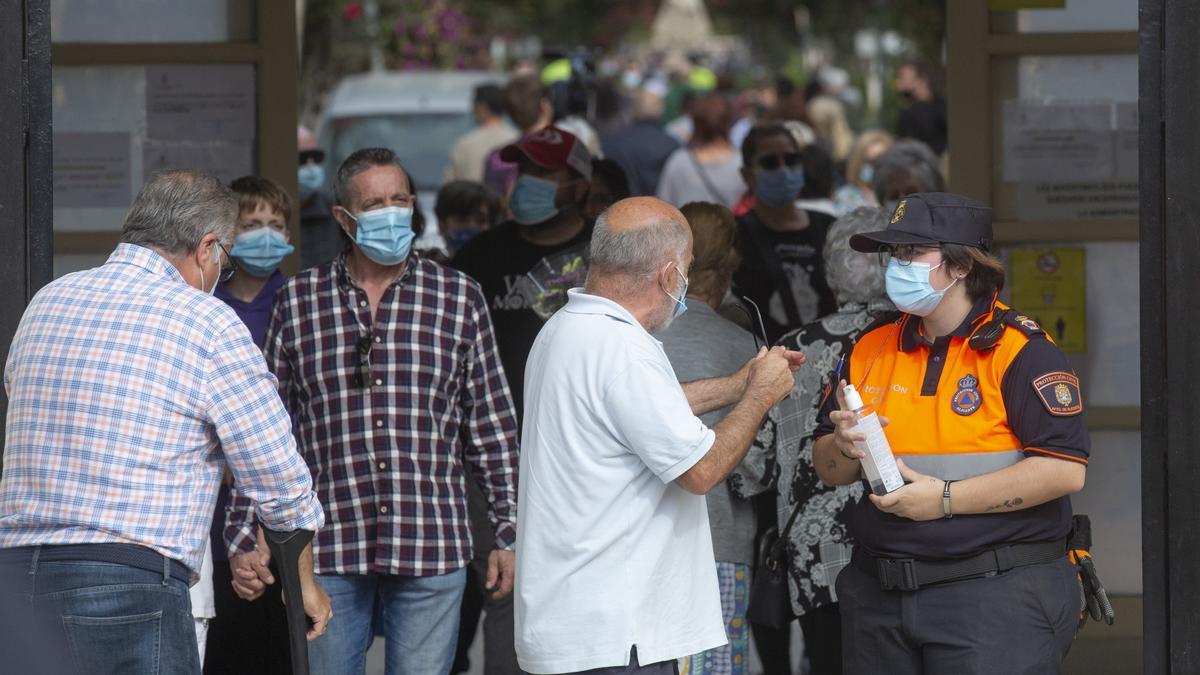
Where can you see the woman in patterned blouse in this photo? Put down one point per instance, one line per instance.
(818, 545)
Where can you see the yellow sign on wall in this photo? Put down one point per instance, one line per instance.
(1001, 5)
(1048, 285)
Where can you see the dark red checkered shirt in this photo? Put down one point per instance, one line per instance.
(389, 460)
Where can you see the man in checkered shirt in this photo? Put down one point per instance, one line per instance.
(388, 364)
(131, 390)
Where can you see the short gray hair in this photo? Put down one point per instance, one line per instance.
(637, 252)
(176, 209)
(358, 162)
(911, 157)
(853, 276)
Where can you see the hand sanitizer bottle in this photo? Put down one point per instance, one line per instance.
(879, 465)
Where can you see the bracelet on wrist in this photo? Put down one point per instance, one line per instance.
(946, 513)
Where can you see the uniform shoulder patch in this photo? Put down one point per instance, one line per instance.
(1059, 392)
(1023, 323)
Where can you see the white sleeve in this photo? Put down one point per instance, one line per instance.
(651, 416)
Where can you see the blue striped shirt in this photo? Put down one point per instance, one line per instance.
(129, 393)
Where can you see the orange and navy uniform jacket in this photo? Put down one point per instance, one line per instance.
(956, 412)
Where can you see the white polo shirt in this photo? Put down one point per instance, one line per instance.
(611, 553)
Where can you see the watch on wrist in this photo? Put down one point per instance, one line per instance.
(946, 501)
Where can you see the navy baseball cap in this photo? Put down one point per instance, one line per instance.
(931, 218)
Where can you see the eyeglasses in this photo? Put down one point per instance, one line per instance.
(363, 347)
(306, 156)
(228, 269)
(756, 322)
(904, 253)
(772, 162)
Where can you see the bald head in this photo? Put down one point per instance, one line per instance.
(636, 241)
(305, 139)
(635, 212)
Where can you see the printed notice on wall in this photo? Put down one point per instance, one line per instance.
(226, 161)
(1049, 286)
(92, 169)
(1077, 201)
(200, 102)
(1127, 141)
(1056, 142)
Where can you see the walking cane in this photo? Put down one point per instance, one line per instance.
(286, 548)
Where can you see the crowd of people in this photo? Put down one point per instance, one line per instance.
(617, 464)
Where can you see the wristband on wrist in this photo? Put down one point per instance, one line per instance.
(946, 501)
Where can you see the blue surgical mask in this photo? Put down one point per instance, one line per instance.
(260, 250)
(385, 235)
(311, 178)
(867, 174)
(778, 187)
(909, 289)
(532, 200)
(681, 301)
(459, 238)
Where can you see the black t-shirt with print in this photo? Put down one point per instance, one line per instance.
(498, 258)
(801, 255)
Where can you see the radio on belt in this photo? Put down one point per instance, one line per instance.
(879, 465)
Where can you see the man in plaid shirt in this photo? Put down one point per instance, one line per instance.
(131, 390)
(388, 364)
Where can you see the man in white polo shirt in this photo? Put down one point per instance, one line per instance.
(615, 568)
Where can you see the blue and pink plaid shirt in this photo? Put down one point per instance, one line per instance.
(129, 393)
(390, 454)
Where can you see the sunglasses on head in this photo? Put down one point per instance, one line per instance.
(317, 156)
(772, 162)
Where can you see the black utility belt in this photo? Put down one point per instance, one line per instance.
(907, 574)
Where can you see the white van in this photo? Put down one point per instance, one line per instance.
(417, 114)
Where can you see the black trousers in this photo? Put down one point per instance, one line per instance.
(247, 637)
(1021, 621)
(822, 628)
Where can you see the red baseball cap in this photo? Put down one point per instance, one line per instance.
(552, 148)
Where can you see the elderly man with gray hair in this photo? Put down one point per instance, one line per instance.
(131, 390)
(615, 571)
(818, 545)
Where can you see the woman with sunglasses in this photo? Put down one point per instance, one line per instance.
(987, 426)
(782, 270)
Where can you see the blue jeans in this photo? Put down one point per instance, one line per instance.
(93, 617)
(420, 622)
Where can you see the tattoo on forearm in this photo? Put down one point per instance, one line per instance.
(1007, 504)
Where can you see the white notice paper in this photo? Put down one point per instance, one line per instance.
(1067, 142)
(91, 169)
(200, 102)
(1127, 141)
(1102, 200)
(226, 161)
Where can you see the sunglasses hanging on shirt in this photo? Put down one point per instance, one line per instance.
(363, 347)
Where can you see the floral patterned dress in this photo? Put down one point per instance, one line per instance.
(819, 545)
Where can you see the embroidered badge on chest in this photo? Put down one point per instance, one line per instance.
(967, 399)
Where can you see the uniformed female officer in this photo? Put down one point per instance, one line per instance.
(963, 569)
